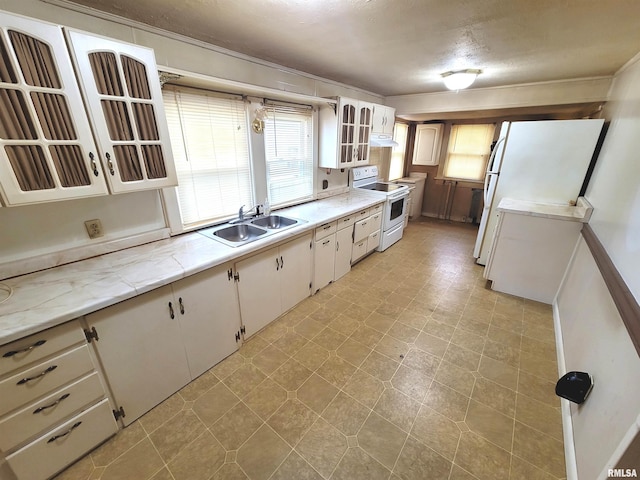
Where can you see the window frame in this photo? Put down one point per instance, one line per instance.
(442, 173)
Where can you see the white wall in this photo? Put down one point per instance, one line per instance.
(594, 338)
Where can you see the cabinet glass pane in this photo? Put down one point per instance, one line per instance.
(106, 74)
(69, 165)
(54, 116)
(7, 73)
(15, 121)
(30, 167)
(145, 121)
(135, 74)
(128, 162)
(154, 161)
(36, 61)
(117, 118)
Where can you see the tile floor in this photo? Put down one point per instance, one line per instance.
(407, 368)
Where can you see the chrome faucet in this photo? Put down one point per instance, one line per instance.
(241, 214)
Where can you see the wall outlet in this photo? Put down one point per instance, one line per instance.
(94, 228)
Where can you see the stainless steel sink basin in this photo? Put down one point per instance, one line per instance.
(239, 233)
(274, 222)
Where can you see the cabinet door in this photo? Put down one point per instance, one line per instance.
(141, 351)
(365, 121)
(427, 145)
(259, 290)
(344, 240)
(383, 119)
(295, 271)
(324, 259)
(347, 149)
(209, 317)
(362, 229)
(47, 151)
(122, 90)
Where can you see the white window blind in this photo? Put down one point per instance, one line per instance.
(211, 150)
(288, 139)
(469, 147)
(396, 168)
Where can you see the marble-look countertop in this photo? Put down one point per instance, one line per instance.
(581, 212)
(50, 297)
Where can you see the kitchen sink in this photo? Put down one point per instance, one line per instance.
(239, 233)
(274, 222)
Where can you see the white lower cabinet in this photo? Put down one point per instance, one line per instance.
(324, 260)
(152, 345)
(344, 241)
(272, 282)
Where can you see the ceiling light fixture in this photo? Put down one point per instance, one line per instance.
(460, 79)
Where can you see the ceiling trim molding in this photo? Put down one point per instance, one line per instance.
(92, 12)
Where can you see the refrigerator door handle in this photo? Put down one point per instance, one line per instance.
(492, 158)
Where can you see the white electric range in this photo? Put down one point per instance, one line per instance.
(395, 202)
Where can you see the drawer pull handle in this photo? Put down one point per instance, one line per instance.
(277, 264)
(42, 374)
(181, 305)
(73, 427)
(281, 262)
(51, 405)
(327, 227)
(171, 314)
(26, 349)
(325, 242)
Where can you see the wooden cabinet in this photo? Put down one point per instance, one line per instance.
(383, 119)
(54, 407)
(47, 151)
(272, 282)
(426, 150)
(345, 129)
(122, 90)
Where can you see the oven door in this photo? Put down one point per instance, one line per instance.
(395, 208)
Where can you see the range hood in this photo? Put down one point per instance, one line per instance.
(382, 140)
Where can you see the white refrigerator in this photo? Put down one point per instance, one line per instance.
(540, 161)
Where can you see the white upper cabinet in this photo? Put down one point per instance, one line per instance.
(47, 151)
(122, 90)
(345, 130)
(426, 150)
(383, 119)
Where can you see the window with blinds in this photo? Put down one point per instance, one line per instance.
(288, 141)
(396, 168)
(468, 152)
(210, 145)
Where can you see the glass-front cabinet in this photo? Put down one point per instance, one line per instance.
(47, 151)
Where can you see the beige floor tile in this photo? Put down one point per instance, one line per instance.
(458, 473)
(490, 424)
(249, 349)
(163, 412)
(482, 458)
(357, 312)
(468, 340)
(437, 432)
(261, 455)
(290, 343)
(537, 347)
(229, 471)
(295, 467)
(316, 393)
(539, 332)
(364, 387)
(291, 375)
(539, 449)
(273, 331)
(292, 421)
(380, 366)
(539, 366)
(336, 371)
(329, 339)
(411, 382)
(353, 352)
(201, 459)
(503, 336)
(357, 465)
(522, 470)
(142, 461)
(502, 353)
(430, 344)
(511, 323)
(498, 372)
(176, 434)
(236, 426)
(323, 447)
(367, 336)
(163, 474)
(413, 319)
(83, 469)
(392, 348)
(403, 332)
(122, 442)
(214, 404)
(418, 462)
(462, 357)
(495, 396)
(346, 414)
(292, 318)
(460, 379)
(421, 361)
(540, 416)
(446, 316)
(245, 379)
(447, 401)
(309, 328)
(269, 359)
(389, 309)
(439, 330)
(324, 315)
(312, 355)
(381, 439)
(379, 322)
(473, 324)
(345, 324)
(236, 360)
(266, 398)
(538, 389)
(398, 408)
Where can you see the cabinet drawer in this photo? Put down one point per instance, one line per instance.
(361, 214)
(375, 209)
(373, 241)
(362, 230)
(30, 349)
(325, 230)
(44, 413)
(346, 222)
(48, 455)
(376, 221)
(359, 250)
(44, 378)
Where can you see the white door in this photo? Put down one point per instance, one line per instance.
(141, 350)
(259, 290)
(209, 317)
(295, 271)
(344, 243)
(324, 259)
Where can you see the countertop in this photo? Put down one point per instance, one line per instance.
(581, 212)
(50, 297)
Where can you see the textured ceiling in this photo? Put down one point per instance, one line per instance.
(394, 47)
